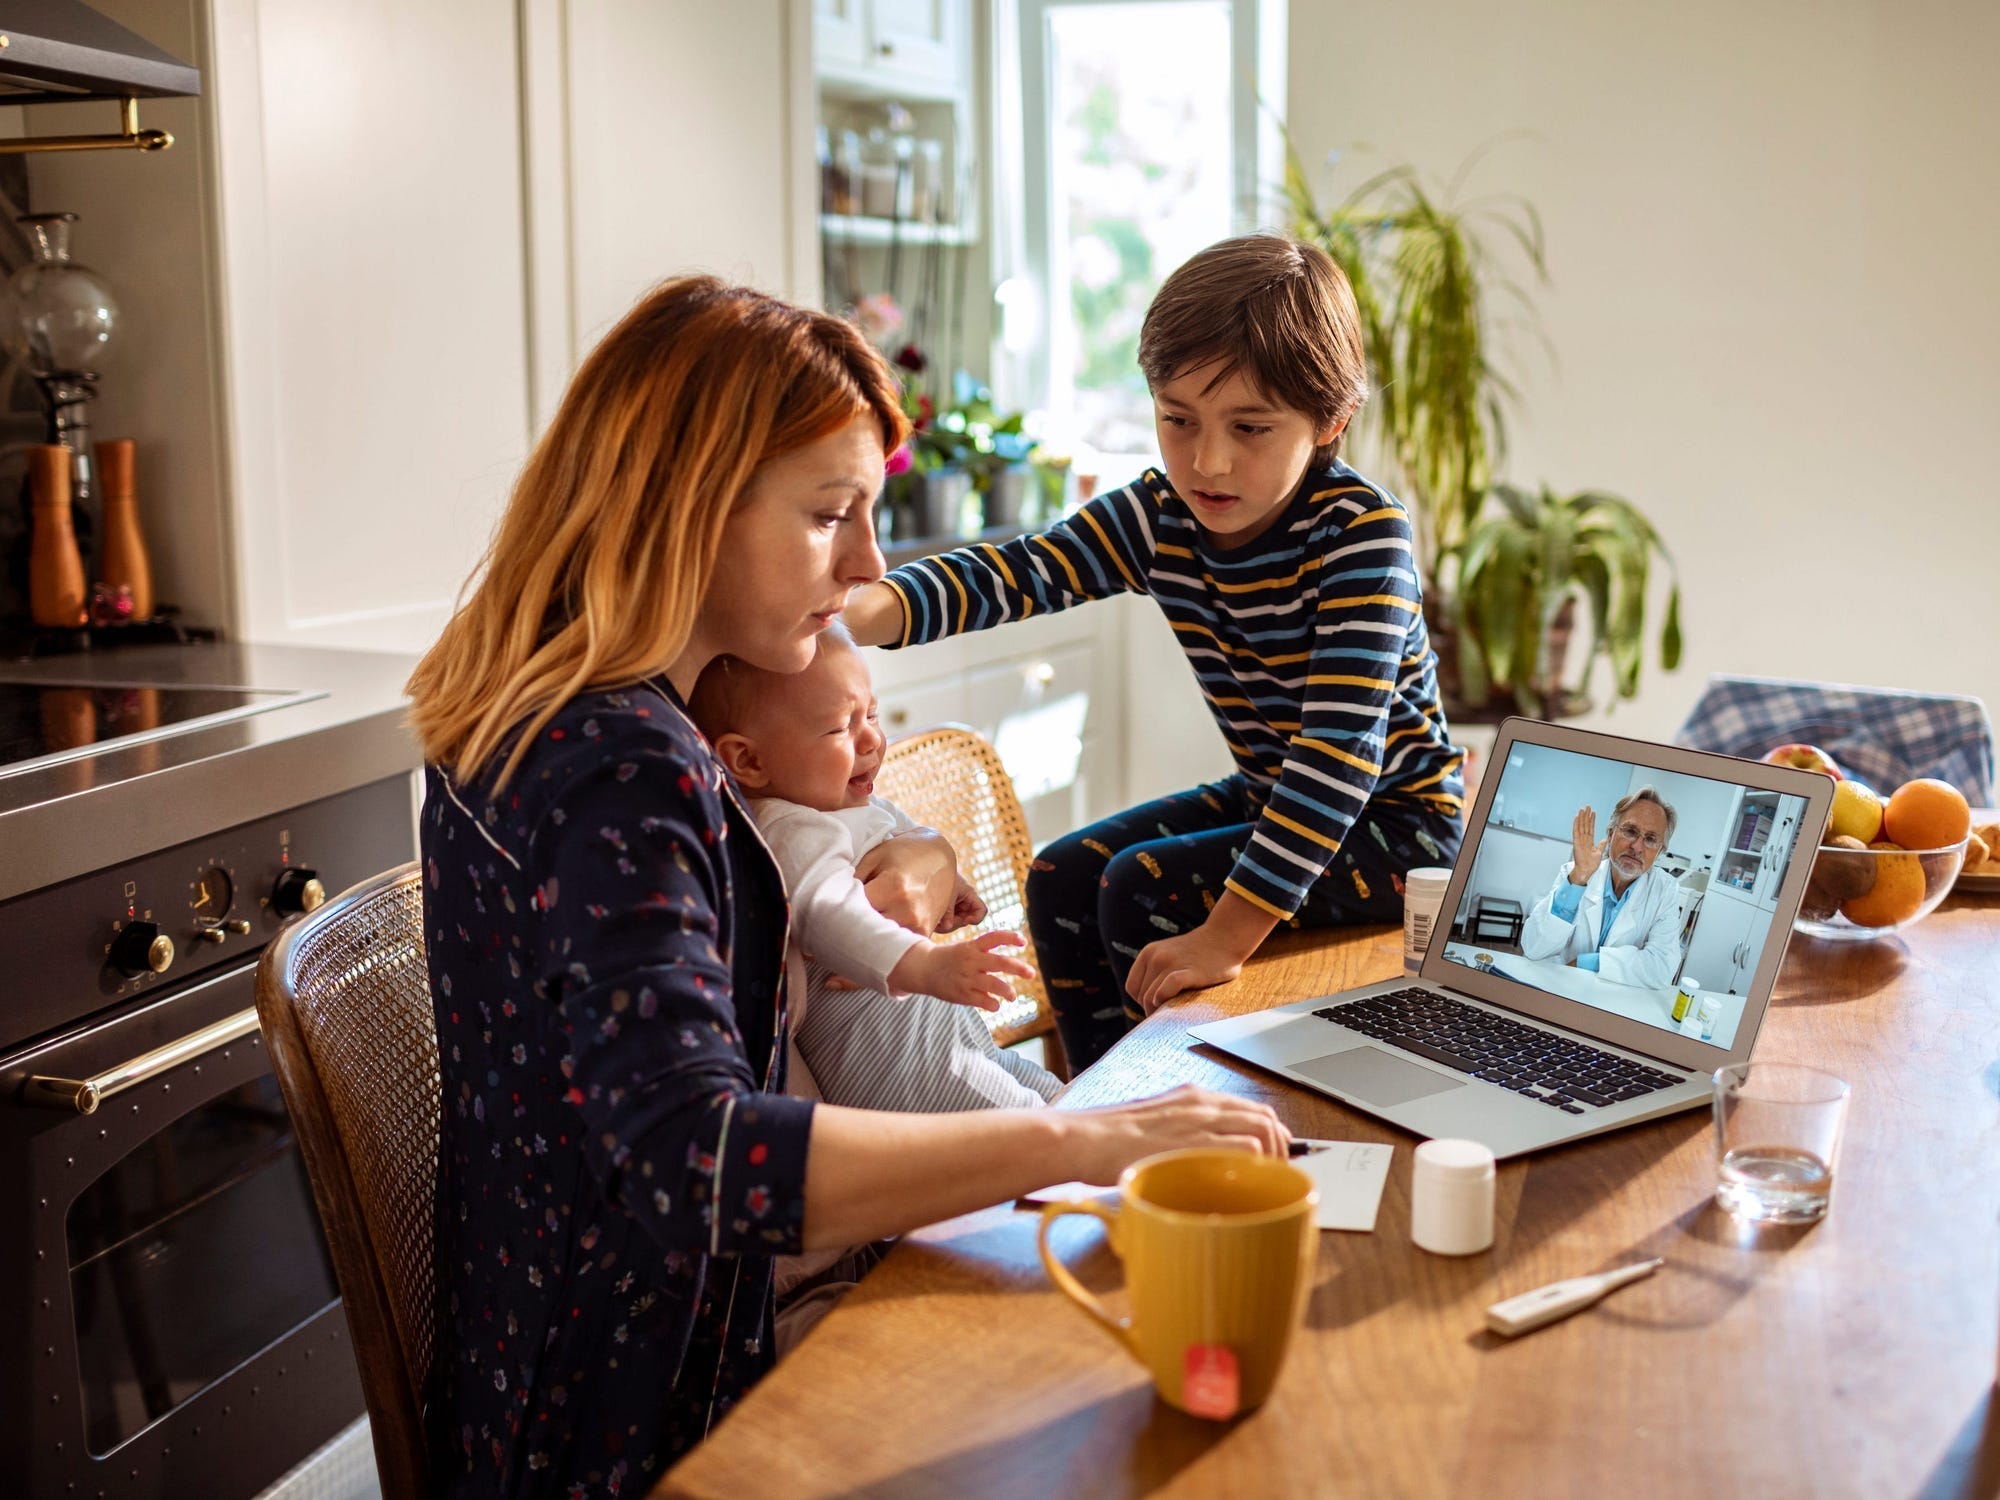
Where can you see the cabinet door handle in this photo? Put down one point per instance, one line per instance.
(1042, 673)
(896, 718)
(886, 49)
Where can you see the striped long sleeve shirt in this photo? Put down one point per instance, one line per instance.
(1308, 642)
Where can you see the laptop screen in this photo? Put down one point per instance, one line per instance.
(1640, 892)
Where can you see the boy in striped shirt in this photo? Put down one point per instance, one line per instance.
(1290, 584)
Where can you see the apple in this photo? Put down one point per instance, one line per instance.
(1805, 758)
(1857, 812)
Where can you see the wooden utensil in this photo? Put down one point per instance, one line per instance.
(124, 561)
(55, 567)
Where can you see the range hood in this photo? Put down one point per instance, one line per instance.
(56, 50)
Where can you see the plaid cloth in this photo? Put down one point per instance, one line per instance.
(1882, 736)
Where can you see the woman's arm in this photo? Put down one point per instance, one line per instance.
(870, 1174)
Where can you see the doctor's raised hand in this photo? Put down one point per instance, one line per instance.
(1587, 846)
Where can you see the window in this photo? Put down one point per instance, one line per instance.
(1143, 140)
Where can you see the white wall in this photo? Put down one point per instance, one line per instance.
(1770, 237)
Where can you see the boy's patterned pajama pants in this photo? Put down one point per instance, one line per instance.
(1100, 894)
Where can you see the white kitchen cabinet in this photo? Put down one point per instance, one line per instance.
(910, 49)
(1758, 838)
(840, 33)
(1727, 939)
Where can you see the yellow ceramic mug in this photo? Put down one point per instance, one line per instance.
(1219, 1249)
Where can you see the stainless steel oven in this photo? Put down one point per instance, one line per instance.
(169, 1324)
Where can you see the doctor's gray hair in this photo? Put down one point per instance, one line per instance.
(1647, 794)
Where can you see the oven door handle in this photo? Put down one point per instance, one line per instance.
(83, 1095)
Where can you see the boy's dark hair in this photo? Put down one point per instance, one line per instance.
(1275, 308)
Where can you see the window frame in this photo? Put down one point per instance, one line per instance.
(1027, 261)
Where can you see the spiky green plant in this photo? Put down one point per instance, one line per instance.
(1426, 278)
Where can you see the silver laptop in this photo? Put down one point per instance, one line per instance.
(1545, 1007)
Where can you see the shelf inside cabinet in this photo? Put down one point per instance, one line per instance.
(872, 231)
(898, 551)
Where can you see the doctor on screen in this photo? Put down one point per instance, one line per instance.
(1610, 911)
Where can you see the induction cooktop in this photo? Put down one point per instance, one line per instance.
(42, 723)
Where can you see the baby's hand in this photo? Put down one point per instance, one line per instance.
(972, 973)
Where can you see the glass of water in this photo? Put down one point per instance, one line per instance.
(1777, 1137)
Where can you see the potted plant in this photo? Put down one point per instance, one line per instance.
(1520, 572)
(973, 448)
(1427, 277)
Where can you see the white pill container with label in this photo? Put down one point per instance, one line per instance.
(1684, 997)
(1423, 901)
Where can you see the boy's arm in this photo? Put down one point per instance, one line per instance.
(1103, 549)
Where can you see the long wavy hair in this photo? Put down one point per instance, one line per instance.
(597, 571)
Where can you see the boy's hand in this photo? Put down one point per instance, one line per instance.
(972, 973)
(874, 615)
(1212, 954)
(1192, 961)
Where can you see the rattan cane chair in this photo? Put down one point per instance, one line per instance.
(345, 1002)
(952, 780)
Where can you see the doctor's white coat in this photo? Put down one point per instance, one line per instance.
(1644, 944)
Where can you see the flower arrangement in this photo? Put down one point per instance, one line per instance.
(967, 464)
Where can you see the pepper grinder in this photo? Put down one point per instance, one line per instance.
(123, 553)
(55, 567)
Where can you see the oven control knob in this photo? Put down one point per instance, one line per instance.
(297, 891)
(141, 948)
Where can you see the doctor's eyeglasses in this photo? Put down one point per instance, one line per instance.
(1632, 833)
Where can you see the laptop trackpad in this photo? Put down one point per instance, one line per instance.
(1374, 1075)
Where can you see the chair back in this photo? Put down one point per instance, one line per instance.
(1886, 736)
(345, 1001)
(952, 779)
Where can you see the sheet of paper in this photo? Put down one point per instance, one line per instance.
(1350, 1176)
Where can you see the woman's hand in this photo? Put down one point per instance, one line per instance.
(967, 910)
(1585, 846)
(1106, 1140)
(912, 879)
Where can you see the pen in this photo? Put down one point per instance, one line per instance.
(1304, 1148)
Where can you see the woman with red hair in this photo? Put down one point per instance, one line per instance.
(620, 1163)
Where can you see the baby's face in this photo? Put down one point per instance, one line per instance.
(818, 737)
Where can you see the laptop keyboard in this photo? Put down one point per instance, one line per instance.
(1545, 1066)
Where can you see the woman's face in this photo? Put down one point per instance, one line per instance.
(800, 539)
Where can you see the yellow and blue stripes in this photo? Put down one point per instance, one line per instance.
(1308, 642)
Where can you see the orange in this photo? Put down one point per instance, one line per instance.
(1897, 893)
(1926, 814)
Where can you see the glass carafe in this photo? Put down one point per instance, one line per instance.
(58, 323)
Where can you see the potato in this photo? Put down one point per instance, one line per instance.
(1839, 875)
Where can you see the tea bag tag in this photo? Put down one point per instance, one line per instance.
(1209, 1384)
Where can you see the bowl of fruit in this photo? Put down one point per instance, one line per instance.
(1886, 862)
